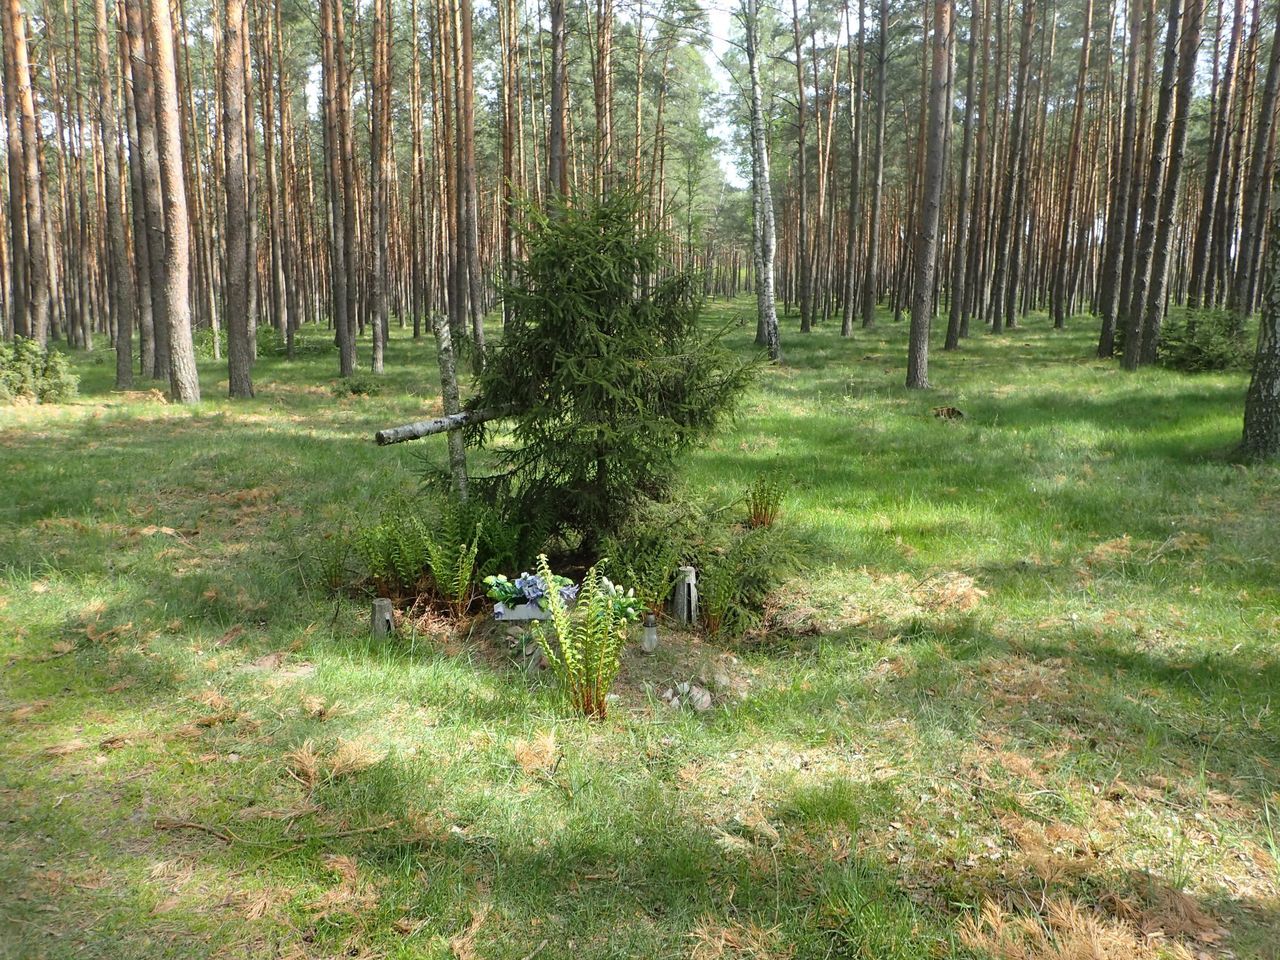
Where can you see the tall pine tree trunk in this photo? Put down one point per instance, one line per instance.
(184, 380)
(119, 280)
(870, 282)
(930, 199)
(239, 353)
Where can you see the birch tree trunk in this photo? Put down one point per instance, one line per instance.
(761, 193)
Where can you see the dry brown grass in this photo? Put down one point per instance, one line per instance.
(309, 766)
(538, 755)
(713, 940)
(1063, 930)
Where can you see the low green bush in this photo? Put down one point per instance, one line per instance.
(360, 385)
(438, 546)
(1202, 341)
(204, 339)
(31, 374)
(738, 565)
(737, 574)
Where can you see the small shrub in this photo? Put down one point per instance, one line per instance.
(584, 644)
(647, 560)
(1202, 341)
(270, 342)
(606, 368)
(437, 545)
(764, 500)
(395, 553)
(360, 385)
(33, 374)
(452, 561)
(736, 577)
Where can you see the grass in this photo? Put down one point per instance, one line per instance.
(1020, 707)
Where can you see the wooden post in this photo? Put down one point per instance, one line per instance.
(382, 622)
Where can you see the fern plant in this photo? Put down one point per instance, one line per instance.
(735, 579)
(453, 566)
(648, 563)
(402, 551)
(764, 501)
(584, 645)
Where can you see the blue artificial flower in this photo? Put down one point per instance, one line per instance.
(569, 592)
(531, 586)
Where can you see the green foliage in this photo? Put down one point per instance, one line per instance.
(204, 339)
(605, 369)
(31, 374)
(584, 645)
(736, 576)
(1202, 341)
(360, 385)
(270, 342)
(764, 500)
(442, 547)
(647, 559)
(394, 552)
(452, 561)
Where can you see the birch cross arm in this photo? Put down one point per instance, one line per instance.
(425, 428)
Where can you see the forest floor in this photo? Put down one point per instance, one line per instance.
(1020, 706)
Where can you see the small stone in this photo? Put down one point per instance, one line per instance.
(722, 682)
(699, 698)
(682, 688)
(514, 632)
(675, 703)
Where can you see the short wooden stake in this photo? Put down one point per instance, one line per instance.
(383, 620)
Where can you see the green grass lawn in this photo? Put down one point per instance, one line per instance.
(1020, 706)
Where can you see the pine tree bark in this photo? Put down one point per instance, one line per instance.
(20, 319)
(557, 173)
(119, 280)
(1060, 272)
(184, 380)
(1157, 295)
(1121, 189)
(1239, 302)
(336, 189)
(1145, 252)
(857, 62)
(804, 268)
(1215, 162)
(236, 281)
(152, 189)
(955, 309)
(37, 316)
(930, 199)
(870, 282)
(378, 146)
(1262, 402)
